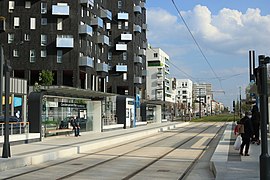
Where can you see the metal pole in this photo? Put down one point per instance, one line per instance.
(1, 78)
(6, 145)
(200, 108)
(240, 111)
(264, 157)
(164, 99)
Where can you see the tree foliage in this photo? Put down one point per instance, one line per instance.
(46, 77)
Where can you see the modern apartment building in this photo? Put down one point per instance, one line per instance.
(184, 96)
(126, 55)
(203, 95)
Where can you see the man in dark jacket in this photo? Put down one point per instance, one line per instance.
(247, 135)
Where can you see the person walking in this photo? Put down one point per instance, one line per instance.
(255, 119)
(72, 122)
(77, 126)
(247, 134)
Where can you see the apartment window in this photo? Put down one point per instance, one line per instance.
(119, 4)
(15, 53)
(10, 38)
(11, 6)
(109, 55)
(184, 92)
(32, 55)
(126, 25)
(124, 76)
(124, 56)
(119, 25)
(155, 55)
(82, 11)
(59, 24)
(43, 8)
(27, 4)
(32, 23)
(43, 53)
(44, 21)
(43, 39)
(27, 37)
(16, 22)
(59, 56)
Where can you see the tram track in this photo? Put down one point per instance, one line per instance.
(185, 129)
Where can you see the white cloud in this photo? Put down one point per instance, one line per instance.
(230, 31)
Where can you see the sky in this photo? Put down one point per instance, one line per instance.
(225, 31)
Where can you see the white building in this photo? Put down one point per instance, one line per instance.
(184, 96)
(203, 95)
(158, 85)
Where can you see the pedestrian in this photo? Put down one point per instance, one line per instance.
(247, 134)
(77, 126)
(255, 119)
(72, 122)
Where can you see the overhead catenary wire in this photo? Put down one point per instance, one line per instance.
(197, 44)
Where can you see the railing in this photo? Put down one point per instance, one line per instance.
(15, 128)
(109, 120)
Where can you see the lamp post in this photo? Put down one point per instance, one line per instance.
(240, 111)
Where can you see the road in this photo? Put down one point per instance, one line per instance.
(181, 153)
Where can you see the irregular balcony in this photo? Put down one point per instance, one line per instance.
(103, 39)
(159, 74)
(87, 2)
(64, 41)
(137, 28)
(121, 68)
(142, 52)
(142, 4)
(86, 61)
(126, 37)
(138, 59)
(122, 16)
(137, 9)
(137, 80)
(105, 14)
(97, 21)
(85, 29)
(144, 45)
(144, 27)
(102, 67)
(144, 72)
(60, 9)
(121, 47)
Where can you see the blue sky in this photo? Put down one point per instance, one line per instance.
(225, 30)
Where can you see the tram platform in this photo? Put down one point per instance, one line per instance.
(226, 162)
(52, 148)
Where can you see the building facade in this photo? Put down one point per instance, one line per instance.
(203, 96)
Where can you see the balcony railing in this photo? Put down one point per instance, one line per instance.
(126, 37)
(144, 72)
(64, 41)
(137, 9)
(142, 4)
(138, 59)
(137, 28)
(122, 16)
(106, 14)
(86, 61)
(2, 24)
(121, 47)
(137, 80)
(142, 52)
(87, 2)
(121, 68)
(102, 67)
(85, 29)
(103, 39)
(144, 26)
(62, 10)
(97, 21)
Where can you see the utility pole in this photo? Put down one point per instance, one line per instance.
(200, 107)
(261, 81)
(240, 111)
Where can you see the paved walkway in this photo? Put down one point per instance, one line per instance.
(52, 148)
(227, 164)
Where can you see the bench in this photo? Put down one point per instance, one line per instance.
(56, 131)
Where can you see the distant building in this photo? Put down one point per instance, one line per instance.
(203, 96)
(184, 96)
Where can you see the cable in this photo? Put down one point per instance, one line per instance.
(197, 44)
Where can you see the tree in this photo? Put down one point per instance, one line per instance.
(46, 77)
